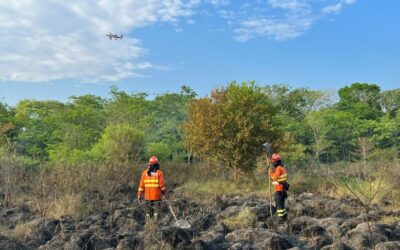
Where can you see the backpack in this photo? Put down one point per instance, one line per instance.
(286, 186)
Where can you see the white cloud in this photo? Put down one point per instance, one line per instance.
(294, 5)
(44, 40)
(273, 28)
(350, 1)
(332, 9)
(219, 2)
(337, 8)
(226, 14)
(294, 18)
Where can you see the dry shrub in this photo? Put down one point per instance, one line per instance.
(69, 204)
(243, 219)
(180, 173)
(114, 177)
(53, 190)
(152, 236)
(374, 178)
(300, 183)
(10, 174)
(78, 190)
(177, 173)
(204, 180)
(392, 181)
(364, 183)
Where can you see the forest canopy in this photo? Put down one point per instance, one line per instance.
(232, 121)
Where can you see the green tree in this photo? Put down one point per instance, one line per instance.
(317, 122)
(293, 105)
(168, 111)
(129, 109)
(6, 124)
(39, 125)
(83, 121)
(362, 100)
(229, 126)
(390, 102)
(120, 143)
(4, 113)
(160, 149)
(386, 132)
(344, 129)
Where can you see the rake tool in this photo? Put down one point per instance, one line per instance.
(184, 224)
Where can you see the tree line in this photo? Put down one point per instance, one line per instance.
(227, 126)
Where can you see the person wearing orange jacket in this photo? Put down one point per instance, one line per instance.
(153, 186)
(279, 176)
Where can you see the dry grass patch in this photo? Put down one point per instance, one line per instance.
(68, 204)
(6, 231)
(213, 187)
(221, 187)
(21, 232)
(244, 219)
(299, 183)
(389, 219)
(152, 236)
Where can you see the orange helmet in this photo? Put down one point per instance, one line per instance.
(153, 160)
(275, 157)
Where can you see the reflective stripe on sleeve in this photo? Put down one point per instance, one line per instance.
(282, 178)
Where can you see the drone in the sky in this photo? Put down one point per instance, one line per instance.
(115, 36)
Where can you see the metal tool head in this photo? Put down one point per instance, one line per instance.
(268, 148)
(183, 224)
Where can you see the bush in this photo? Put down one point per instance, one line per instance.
(119, 143)
(160, 149)
(60, 154)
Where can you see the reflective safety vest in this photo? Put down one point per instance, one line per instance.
(153, 186)
(278, 177)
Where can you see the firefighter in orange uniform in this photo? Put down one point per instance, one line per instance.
(152, 184)
(279, 177)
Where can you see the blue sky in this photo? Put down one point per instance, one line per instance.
(53, 50)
